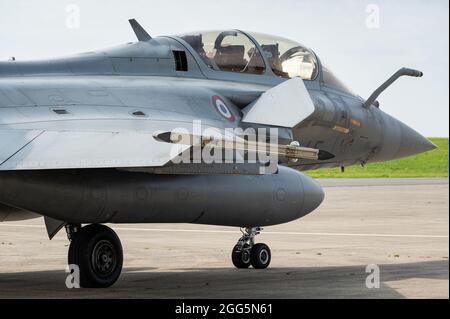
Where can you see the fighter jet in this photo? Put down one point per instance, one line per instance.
(133, 134)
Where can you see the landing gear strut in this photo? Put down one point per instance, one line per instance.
(247, 253)
(97, 251)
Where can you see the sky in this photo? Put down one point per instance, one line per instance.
(363, 42)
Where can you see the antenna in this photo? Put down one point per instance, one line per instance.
(140, 32)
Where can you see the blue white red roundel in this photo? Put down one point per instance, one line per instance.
(222, 108)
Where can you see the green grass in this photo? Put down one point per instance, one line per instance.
(430, 164)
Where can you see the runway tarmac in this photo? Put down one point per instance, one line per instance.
(400, 225)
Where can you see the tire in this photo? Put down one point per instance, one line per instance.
(260, 256)
(97, 251)
(240, 257)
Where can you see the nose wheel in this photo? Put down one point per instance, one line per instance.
(97, 251)
(246, 252)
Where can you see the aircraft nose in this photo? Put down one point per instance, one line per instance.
(412, 142)
(313, 195)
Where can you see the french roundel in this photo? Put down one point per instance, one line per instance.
(222, 108)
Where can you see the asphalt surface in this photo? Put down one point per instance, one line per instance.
(400, 225)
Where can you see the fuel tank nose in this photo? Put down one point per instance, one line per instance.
(313, 195)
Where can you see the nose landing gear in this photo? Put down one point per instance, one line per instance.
(97, 251)
(246, 252)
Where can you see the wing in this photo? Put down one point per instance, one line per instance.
(30, 150)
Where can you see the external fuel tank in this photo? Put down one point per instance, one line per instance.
(113, 196)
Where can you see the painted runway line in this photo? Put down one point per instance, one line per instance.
(265, 232)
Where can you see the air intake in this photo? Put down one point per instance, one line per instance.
(180, 60)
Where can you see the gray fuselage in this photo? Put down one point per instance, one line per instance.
(139, 87)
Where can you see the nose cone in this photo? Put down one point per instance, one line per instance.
(398, 140)
(412, 143)
(313, 195)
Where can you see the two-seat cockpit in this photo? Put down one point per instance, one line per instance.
(236, 51)
(260, 54)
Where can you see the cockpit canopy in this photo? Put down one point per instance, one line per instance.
(234, 51)
(287, 58)
(256, 53)
(227, 51)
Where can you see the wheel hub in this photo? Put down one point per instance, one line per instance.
(104, 258)
(246, 256)
(264, 256)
